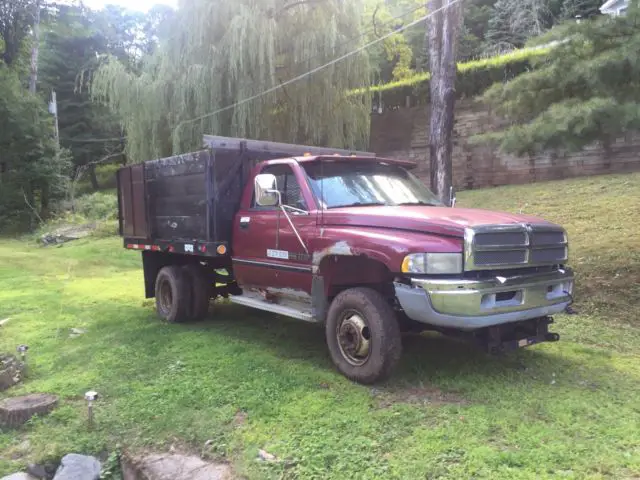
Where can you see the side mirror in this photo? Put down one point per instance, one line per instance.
(266, 190)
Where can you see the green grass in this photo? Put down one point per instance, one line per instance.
(247, 381)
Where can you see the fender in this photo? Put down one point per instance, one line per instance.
(388, 247)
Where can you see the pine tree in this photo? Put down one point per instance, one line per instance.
(71, 44)
(583, 92)
(32, 171)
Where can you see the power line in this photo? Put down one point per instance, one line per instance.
(309, 72)
(317, 69)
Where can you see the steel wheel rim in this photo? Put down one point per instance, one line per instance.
(166, 296)
(354, 338)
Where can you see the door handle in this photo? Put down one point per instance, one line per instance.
(244, 223)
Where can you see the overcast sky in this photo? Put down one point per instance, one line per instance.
(142, 5)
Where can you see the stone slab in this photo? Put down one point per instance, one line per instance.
(172, 467)
(19, 476)
(78, 467)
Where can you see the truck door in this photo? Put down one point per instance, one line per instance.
(267, 253)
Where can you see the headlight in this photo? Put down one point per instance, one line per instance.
(433, 263)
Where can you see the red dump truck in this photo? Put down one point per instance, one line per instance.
(344, 239)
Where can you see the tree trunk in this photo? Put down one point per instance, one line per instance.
(443, 35)
(33, 80)
(92, 176)
(44, 202)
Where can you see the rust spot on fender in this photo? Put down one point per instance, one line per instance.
(340, 248)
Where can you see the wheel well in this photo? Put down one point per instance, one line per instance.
(341, 272)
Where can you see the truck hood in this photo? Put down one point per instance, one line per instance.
(437, 220)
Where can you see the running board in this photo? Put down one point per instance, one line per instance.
(260, 304)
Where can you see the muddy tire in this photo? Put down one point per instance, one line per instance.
(173, 295)
(363, 335)
(200, 292)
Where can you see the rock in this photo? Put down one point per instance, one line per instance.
(266, 456)
(18, 410)
(67, 234)
(172, 467)
(38, 471)
(11, 370)
(19, 476)
(78, 467)
(76, 332)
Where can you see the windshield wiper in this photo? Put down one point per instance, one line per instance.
(361, 204)
(420, 203)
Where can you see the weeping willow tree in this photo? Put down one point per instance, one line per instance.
(219, 52)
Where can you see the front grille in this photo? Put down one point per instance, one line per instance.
(514, 246)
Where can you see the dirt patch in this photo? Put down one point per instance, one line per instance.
(240, 418)
(425, 395)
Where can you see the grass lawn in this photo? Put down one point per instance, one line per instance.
(246, 381)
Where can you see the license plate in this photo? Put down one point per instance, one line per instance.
(523, 343)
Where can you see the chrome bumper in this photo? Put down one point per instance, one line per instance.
(473, 304)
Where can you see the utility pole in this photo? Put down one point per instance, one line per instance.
(53, 109)
(33, 80)
(442, 39)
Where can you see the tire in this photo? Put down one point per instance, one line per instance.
(173, 295)
(365, 311)
(200, 292)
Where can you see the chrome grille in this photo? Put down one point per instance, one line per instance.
(514, 246)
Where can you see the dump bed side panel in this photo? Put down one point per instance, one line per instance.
(177, 197)
(131, 201)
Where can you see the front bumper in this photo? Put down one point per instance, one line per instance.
(474, 304)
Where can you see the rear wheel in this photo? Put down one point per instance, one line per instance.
(200, 291)
(173, 295)
(363, 335)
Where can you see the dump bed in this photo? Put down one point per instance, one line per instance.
(186, 203)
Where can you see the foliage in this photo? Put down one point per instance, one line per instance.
(71, 44)
(245, 381)
(33, 173)
(473, 76)
(582, 8)
(16, 18)
(514, 21)
(223, 52)
(580, 93)
(399, 55)
(97, 206)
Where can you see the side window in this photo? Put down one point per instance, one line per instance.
(288, 186)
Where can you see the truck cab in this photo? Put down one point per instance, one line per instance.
(357, 244)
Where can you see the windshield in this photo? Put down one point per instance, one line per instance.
(355, 183)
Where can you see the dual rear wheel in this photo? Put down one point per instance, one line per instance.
(182, 293)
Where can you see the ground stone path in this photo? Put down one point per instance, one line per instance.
(172, 467)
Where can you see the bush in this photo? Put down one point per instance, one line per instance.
(100, 206)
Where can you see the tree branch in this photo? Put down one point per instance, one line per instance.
(296, 4)
(32, 208)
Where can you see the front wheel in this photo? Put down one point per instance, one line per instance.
(363, 335)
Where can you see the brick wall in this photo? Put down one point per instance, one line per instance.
(404, 133)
